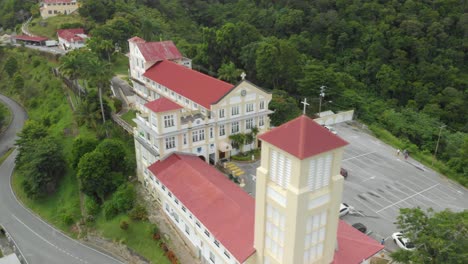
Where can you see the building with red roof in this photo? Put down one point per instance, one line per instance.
(223, 224)
(49, 8)
(30, 40)
(183, 110)
(71, 38)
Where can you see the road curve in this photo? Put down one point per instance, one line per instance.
(39, 242)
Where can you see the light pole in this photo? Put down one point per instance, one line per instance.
(322, 94)
(437, 145)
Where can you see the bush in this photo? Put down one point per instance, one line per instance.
(117, 104)
(110, 210)
(124, 225)
(138, 213)
(124, 198)
(67, 218)
(91, 206)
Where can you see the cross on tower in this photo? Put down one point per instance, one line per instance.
(243, 75)
(305, 104)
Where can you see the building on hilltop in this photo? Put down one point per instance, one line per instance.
(183, 110)
(294, 217)
(50, 8)
(72, 38)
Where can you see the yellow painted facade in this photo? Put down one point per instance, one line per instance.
(56, 8)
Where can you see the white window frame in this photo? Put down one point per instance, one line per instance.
(170, 142)
(222, 131)
(168, 121)
(249, 107)
(262, 105)
(235, 110)
(221, 113)
(249, 123)
(235, 127)
(198, 135)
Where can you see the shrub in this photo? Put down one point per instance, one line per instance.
(91, 206)
(110, 210)
(67, 218)
(124, 198)
(139, 213)
(117, 104)
(124, 225)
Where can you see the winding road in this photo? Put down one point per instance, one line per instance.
(39, 242)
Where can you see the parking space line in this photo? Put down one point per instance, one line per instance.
(409, 197)
(358, 156)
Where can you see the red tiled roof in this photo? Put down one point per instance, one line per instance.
(56, 1)
(158, 51)
(70, 34)
(136, 39)
(29, 38)
(196, 86)
(303, 138)
(162, 105)
(224, 209)
(354, 246)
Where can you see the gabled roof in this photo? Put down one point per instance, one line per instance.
(224, 209)
(71, 34)
(136, 39)
(29, 38)
(158, 51)
(196, 86)
(162, 105)
(303, 138)
(353, 246)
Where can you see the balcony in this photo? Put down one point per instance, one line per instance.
(153, 150)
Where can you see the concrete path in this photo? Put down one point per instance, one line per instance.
(40, 242)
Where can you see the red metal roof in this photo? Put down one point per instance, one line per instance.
(136, 39)
(353, 246)
(70, 34)
(224, 209)
(158, 51)
(29, 38)
(196, 86)
(303, 138)
(162, 105)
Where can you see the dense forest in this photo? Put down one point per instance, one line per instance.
(400, 64)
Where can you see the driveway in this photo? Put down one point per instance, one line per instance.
(380, 182)
(39, 242)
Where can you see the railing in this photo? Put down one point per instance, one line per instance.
(147, 146)
(119, 121)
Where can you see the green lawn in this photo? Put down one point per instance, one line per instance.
(137, 236)
(50, 25)
(129, 116)
(120, 64)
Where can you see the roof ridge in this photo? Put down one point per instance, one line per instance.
(198, 72)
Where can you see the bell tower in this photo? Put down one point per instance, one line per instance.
(298, 193)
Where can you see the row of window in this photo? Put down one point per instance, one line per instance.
(53, 4)
(187, 228)
(235, 110)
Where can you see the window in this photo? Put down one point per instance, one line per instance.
(163, 187)
(212, 257)
(211, 132)
(176, 217)
(198, 224)
(198, 135)
(185, 139)
(262, 105)
(216, 243)
(195, 105)
(221, 113)
(187, 229)
(170, 142)
(183, 209)
(222, 132)
(169, 121)
(249, 107)
(234, 127)
(249, 123)
(176, 201)
(170, 195)
(167, 207)
(235, 110)
(261, 121)
(227, 254)
(207, 233)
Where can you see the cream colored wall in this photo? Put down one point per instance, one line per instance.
(60, 9)
(297, 211)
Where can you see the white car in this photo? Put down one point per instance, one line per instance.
(331, 129)
(402, 241)
(344, 209)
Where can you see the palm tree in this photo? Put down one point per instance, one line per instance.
(254, 132)
(238, 141)
(70, 67)
(99, 74)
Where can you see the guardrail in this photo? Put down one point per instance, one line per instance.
(119, 121)
(19, 254)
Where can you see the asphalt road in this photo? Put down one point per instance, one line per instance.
(39, 242)
(380, 182)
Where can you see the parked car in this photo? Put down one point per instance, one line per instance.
(344, 209)
(344, 172)
(402, 241)
(361, 227)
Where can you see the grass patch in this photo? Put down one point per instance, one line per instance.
(129, 116)
(48, 27)
(120, 64)
(422, 156)
(6, 155)
(56, 207)
(138, 236)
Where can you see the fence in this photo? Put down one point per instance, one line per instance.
(75, 87)
(335, 118)
(119, 121)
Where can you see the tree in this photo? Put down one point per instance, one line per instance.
(100, 75)
(114, 153)
(439, 237)
(94, 175)
(229, 72)
(81, 146)
(43, 167)
(11, 66)
(31, 132)
(238, 141)
(284, 107)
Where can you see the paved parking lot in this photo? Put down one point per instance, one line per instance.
(380, 182)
